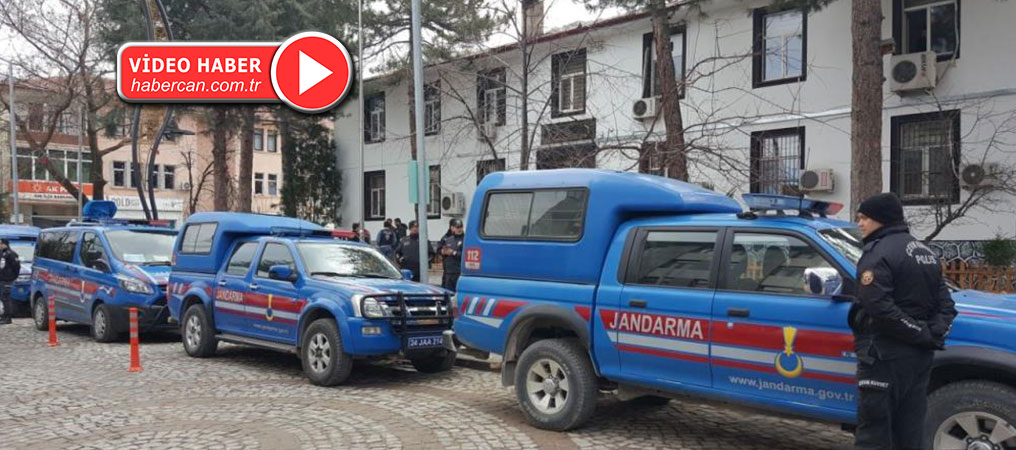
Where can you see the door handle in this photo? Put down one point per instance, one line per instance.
(738, 312)
(253, 286)
(222, 282)
(638, 303)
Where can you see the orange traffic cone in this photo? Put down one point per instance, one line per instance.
(53, 342)
(135, 356)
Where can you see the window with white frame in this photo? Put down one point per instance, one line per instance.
(925, 157)
(432, 108)
(259, 143)
(168, 177)
(374, 193)
(928, 25)
(434, 202)
(259, 183)
(271, 141)
(120, 174)
(650, 84)
(569, 83)
(374, 126)
(780, 46)
(491, 96)
(273, 184)
(65, 163)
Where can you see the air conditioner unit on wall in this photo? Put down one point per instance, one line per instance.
(912, 72)
(645, 108)
(979, 175)
(816, 180)
(453, 203)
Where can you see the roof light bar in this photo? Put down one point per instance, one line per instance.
(770, 202)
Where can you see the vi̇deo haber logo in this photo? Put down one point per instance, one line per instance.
(310, 72)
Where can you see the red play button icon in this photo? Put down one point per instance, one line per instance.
(312, 72)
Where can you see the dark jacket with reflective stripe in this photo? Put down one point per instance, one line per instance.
(903, 305)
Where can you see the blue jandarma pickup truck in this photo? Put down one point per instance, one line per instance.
(586, 280)
(289, 285)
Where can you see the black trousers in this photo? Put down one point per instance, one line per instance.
(893, 403)
(449, 280)
(5, 298)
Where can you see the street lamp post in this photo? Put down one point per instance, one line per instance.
(421, 154)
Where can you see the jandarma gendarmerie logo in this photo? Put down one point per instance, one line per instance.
(788, 363)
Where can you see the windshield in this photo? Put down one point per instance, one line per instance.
(330, 259)
(846, 240)
(141, 247)
(24, 249)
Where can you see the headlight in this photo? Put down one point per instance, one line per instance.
(134, 285)
(373, 308)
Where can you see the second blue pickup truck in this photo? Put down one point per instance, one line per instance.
(587, 280)
(289, 285)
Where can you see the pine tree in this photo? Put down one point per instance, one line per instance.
(311, 180)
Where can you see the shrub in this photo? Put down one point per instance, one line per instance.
(999, 251)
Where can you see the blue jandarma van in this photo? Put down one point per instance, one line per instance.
(95, 270)
(22, 239)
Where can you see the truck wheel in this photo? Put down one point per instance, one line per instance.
(324, 361)
(972, 415)
(556, 385)
(40, 314)
(197, 333)
(438, 361)
(103, 329)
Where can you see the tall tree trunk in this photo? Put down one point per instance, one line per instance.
(675, 154)
(246, 161)
(866, 102)
(220, 173)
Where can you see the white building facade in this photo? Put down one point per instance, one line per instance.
(767, 99)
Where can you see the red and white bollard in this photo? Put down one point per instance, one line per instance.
(51, 312)
(135, 356)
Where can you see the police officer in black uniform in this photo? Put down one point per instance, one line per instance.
(451, 251)
(408, 253)
(10, 268)
(902, 315)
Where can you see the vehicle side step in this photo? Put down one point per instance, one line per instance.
(244, 340)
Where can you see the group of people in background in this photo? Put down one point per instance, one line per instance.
(400, 243)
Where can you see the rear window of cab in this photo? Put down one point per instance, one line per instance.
(535, 215)
(197, 238)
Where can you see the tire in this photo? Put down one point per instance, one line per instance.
(324, 361)
(40, 314)
(196, 332)
(573, 386)
(103, 328)
(438, 361)
(981, 405)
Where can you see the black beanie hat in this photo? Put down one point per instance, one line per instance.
(884, 208)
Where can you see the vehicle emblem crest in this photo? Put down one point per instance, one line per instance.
(787, 363)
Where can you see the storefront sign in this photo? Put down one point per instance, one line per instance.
(134, 204)
(47, 190)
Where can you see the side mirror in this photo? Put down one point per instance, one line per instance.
(281, 273)
(101, 265)
(407, 274)
(824, 281)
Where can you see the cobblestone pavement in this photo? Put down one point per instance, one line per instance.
(80, 396)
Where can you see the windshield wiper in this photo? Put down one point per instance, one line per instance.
(330, 274)
(157, 263)
(374, 275)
